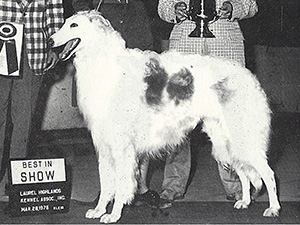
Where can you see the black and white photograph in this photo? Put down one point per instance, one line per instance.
(149, 112)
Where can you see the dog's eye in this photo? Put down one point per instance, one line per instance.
(74, 25)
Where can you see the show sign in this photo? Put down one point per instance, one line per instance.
(38, 186)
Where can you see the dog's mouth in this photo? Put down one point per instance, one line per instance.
(69, 48)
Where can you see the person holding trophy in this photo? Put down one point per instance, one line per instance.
(206, 27)
(25, 56)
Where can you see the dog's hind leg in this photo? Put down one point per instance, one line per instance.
(107, 183)
(214, 128)
(246, 199)
(268, 177)
(126, 184)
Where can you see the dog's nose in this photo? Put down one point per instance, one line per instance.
(50, 42)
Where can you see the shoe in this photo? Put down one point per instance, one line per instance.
(4, 198)
(230, 197)
(150, 198)
(178, 196)
(168, 203)
(171, 195)
(237, 196)
(234, 197)
(4, 193)
(165, 203)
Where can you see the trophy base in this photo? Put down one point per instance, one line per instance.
(205, 34)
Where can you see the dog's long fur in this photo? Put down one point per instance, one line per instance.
(138, 102)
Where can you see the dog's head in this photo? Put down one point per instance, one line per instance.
(78, 31)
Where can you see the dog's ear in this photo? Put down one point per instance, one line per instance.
(96, 16)
(106, 22)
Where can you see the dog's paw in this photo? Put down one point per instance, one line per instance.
(93, 214)
(271, 212)
(240, 204)
(109, 218)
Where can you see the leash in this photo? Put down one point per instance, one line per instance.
(98, 6)
(100, 2)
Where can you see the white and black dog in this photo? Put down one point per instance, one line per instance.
(137, 102)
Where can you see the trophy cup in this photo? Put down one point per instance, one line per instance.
(197, 9)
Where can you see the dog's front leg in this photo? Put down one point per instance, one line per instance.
(107, 182)
(125, 181)
(115, 214)
(106, 194)
(245, 201)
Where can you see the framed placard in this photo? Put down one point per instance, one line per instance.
(38, 186)
(11, 42)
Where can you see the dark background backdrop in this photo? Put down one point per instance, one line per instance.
(276, 24)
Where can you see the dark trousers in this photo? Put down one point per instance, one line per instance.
(21, 95)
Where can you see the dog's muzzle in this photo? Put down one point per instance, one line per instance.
(68, 48)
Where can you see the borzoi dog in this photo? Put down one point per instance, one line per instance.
(137, 102)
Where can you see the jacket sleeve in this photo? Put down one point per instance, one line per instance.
(54, 16)
(166, 9)
(243, 9)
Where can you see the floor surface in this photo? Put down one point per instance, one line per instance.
(180, 213)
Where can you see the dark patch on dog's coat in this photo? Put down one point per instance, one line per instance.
(181, 85)
(156, 78)
(223, 92)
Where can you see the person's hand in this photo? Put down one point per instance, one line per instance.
(52, 60)
(181, 11)
(225, 12)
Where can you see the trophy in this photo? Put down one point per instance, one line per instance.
(197, 14)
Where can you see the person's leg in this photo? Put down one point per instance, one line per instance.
(231, 183)
(176, 174)
(144, 194)
(5, 87)
(142, 181)
(24, 97)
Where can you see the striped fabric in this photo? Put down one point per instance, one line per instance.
(229, 41)
(41, 18)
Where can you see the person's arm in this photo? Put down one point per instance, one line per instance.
(166, 9)
(54, 17)
(54, 21)
(242, 9)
